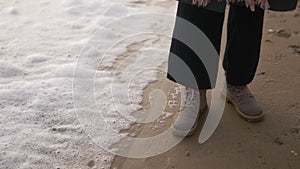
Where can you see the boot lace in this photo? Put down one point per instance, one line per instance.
(241, 91)
(190, 99)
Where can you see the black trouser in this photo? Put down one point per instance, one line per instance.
(242, 49)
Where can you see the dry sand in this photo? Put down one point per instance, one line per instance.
(236, 144)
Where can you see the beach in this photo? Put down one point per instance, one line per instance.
(75, 75)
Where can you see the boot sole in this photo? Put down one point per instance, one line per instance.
(180, 133)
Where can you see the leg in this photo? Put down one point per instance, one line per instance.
(241, 59)
(243, 44)
(210, 23)
(193, 102)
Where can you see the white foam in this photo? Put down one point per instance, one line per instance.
(40, 44)
(8, 70)
(11, 10)
(117, 11)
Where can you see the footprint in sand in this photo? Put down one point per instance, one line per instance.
(276, 58)
(280, 33)
(283, 33)
(295, 48)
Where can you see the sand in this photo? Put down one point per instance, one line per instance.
(236, 144)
